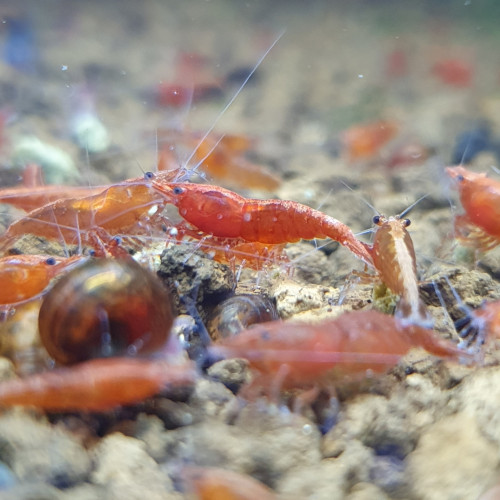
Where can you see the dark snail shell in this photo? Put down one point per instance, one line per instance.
(239, 312)
(103, 308)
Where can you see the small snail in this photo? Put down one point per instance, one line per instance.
(103, 308)
(239, 312)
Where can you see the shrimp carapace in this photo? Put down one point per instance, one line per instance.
(354, 344)
(222, 213)
(479, 227)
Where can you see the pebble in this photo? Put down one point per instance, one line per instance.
(57, 165)
(37, 451)
(125, 470)
(478, 396)
(452, 460)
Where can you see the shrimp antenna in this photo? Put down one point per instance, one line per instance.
(140, 166)
(366, 231)
(406, 210)
(323, 201)
(495, 169)
(362, 198)
(230, 102)
(197, 166)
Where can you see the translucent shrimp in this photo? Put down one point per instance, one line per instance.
(394, 259)
(131, 206)
(353, 345)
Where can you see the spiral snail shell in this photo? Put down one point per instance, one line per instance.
(239, 312)
(104, 308)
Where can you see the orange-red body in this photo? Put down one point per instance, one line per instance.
(31, 198)
(223, 160)
(135, 207)
(25, 277)
(95, 219)
(211, 483)
(225, 214)
(96, 385)
(454, 72)
(351, 345)
(363, 142)
(394, 259)
(480, 198)
(192, 82)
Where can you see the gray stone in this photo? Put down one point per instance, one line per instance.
(34, 450)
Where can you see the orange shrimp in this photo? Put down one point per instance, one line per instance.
(363, 142)
(31, 198)
(130, 206)
(25, 277)
(211, 483)
(223, 160)
(96, 385)
(352, 345)
(394, 259)
(480, 198)
(222, 213)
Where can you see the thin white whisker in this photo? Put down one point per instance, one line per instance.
(413, 205)
(362, 198)
(197, 166)
(234, 97)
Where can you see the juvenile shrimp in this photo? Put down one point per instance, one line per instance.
(97, 385)
(25, 277)
(351, 345)
(480, 198)
(394, 259)
(222, 213)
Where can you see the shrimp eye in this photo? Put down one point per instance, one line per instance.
(406, 222)
(148, 176)
(117, 240)
(460, 178)
(178, 190)
(51, 261)
(376, 220)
